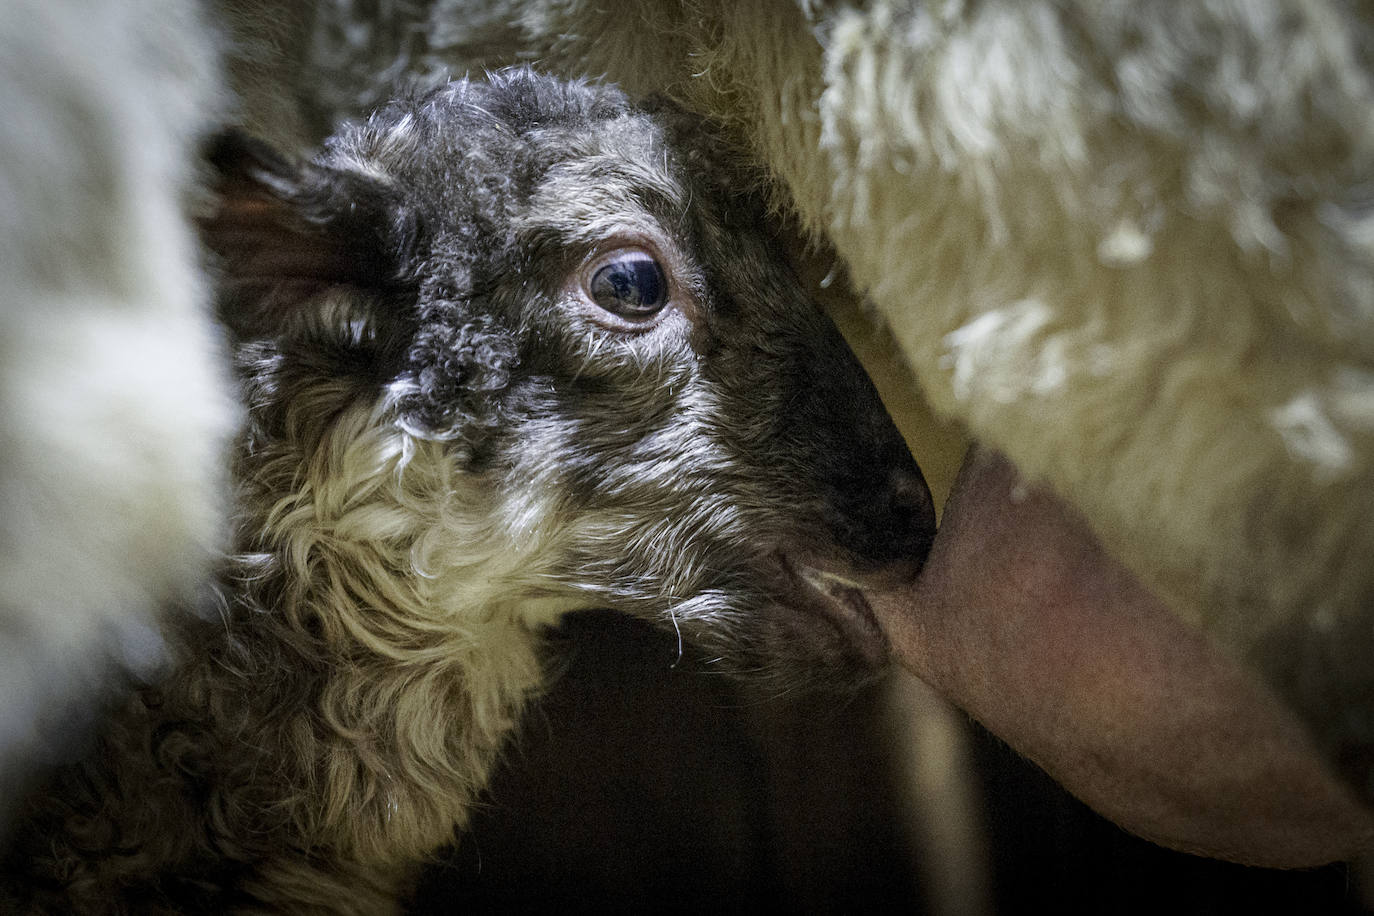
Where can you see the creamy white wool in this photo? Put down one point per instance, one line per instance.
(429, 572)
(111, 381)
(1172, 379)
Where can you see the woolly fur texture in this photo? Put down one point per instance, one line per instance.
(1128, 244)
(451, 442)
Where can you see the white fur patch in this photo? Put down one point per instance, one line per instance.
(1325, 426)
(1125, 245)
(435, 582)
(1006, 354)
(1308, 432)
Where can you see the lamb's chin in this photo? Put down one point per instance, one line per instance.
(824, 611)
(1021, 617)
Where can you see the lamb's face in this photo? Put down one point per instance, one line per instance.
(579, 308)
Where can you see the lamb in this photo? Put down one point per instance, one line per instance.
(508, 349)
(1126, 247)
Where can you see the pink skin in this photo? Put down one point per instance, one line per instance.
(1021, 618)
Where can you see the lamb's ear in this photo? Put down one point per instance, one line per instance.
(285, 230)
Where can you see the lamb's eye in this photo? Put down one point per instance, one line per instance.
(630, 285)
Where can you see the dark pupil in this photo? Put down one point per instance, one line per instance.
(632, 285)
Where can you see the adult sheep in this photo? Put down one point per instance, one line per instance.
(1126, 246)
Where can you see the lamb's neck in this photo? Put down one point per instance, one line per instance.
(400, 574)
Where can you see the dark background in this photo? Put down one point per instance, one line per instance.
(643, 786)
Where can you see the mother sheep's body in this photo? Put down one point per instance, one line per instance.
(1127, 245)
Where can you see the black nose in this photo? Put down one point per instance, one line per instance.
(912, 509)
(878, 506)
(881, 509)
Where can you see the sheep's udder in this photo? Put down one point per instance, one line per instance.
(1021, 618)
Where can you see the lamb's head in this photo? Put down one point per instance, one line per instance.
(537, 345)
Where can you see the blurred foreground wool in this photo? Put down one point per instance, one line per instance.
(114, 402)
